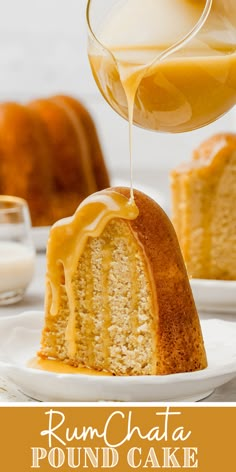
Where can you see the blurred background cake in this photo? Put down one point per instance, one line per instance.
(204, 209)
(50, 156)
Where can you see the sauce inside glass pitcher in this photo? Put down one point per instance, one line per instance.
(186, 90)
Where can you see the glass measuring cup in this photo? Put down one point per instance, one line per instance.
(177, 62)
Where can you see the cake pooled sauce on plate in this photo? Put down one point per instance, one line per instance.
(58, 367)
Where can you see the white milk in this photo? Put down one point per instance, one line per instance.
(16, 266)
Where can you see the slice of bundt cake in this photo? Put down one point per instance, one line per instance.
(50, 156)
(118, 297)
(204, 209)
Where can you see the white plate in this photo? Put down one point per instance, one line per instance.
(40, 236)
(214, 296)
(19, 341)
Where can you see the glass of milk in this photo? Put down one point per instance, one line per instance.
(17, 255)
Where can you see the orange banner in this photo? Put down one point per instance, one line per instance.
(117, 438)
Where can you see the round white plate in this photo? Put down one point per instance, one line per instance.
(214, 296)
(19, 341)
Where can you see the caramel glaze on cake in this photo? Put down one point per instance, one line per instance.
(204, 209)
(50, 155)
(118, 297)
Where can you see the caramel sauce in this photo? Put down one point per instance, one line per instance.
(60, 367)
(67, 241)
(176, 95)
(167, 74)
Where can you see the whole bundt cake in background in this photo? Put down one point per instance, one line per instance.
(118, 297)
(50, 155)
(204, 209)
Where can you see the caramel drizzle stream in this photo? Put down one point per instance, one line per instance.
(68, 239)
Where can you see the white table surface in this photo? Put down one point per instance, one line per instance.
(34, 300)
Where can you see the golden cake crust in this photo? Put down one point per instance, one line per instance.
(216, 145)
(208, 156)
(180, 342)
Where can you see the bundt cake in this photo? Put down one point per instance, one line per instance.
(50, 155)
(118, 297)
(204, 209)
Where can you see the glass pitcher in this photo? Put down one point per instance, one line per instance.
(175, 60)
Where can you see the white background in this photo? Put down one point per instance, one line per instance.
(43, 51)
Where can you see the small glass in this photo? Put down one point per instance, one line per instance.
(17, 255)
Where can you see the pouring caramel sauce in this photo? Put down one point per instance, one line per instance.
(187, 90)
(181, 94)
